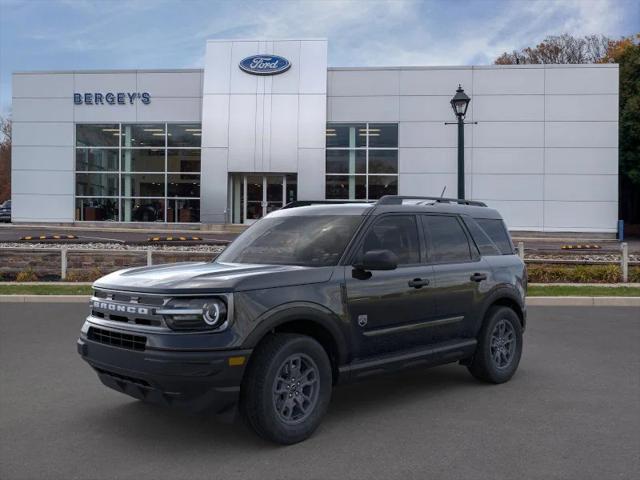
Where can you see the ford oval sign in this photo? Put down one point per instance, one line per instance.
(265, 64)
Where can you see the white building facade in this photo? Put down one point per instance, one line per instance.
(268, 122)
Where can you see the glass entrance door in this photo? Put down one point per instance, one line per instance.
(254, 196)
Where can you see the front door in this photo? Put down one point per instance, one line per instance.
(255, 195)
(388, 310)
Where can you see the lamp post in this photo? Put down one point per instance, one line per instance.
(460, 103)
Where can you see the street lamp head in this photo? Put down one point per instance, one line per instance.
(460, 102)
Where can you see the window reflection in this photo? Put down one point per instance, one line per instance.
(96, 209)
(143, 185)
(183, 211)
(143, 135)
(184, 135)
(102, 135)
(143, 210)
(96, 185)
(96, 159)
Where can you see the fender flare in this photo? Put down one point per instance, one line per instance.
(499, 293)
(296, 311)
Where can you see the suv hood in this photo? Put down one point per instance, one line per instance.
(203, 277)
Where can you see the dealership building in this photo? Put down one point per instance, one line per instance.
(268, 122)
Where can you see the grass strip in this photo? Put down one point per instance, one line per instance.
(582, 291)
(52, 289)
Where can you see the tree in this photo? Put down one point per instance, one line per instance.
(600, 49)
(5, 159)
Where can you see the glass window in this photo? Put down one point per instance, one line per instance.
(346, 187)
(96, 185)
(184, 135)
(292, 188)
(142, 185)
(96, 209)
(313, 241)
(346, 161)
(346, 135)
(96, 160)
(184, 185)
(143, 135)
(481, 239)
(381, 185)
(383, 135)
(142, 210)
(102, 135)
(497, 231)
(383, 161)
(396, 233)
(183, 161)
(143, 160)
(183, 211)
(447, 240)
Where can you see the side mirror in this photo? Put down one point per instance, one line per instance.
(378, 260)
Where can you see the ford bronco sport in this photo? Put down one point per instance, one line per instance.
(308, 297)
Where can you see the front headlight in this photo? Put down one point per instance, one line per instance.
(195, 313)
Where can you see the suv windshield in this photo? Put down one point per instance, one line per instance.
(311, 241)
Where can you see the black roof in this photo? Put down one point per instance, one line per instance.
(389, 203)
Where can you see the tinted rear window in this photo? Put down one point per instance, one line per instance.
(448, 242)
(497, 232)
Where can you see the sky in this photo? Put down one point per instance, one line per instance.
(109, 34)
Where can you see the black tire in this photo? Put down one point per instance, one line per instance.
(268, 394)
(495, 360)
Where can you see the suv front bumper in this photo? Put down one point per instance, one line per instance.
(195, 380)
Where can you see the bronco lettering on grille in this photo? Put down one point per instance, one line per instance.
(116, 307)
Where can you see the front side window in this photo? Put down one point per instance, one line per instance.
(361, 160)
(148, 172)
(396, 233)
(447, 240)
(312, 241)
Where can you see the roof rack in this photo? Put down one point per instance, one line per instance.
(397, 200)
(306, 203)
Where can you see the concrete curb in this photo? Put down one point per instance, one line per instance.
(531, 301)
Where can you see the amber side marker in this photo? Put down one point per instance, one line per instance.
(236, 361)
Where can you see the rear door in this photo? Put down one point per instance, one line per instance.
(388, 309)
(461, 275)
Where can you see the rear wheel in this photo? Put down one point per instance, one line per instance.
(287, 388)
(499, 346)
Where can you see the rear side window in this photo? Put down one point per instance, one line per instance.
(448, 242)
(484, 243)
(397, 233)
(497, 232)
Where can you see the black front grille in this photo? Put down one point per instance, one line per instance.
(117, 339)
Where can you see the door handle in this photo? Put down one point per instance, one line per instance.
(418, 282)
(478, 277)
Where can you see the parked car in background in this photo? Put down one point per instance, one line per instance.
(5, 211)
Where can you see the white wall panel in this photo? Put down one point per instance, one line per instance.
(601, 79)
(42, 208)
(43, 158)
(435, 81)
(43, 182)
(430, 160)
(289, 81)
(508, 81)
(242, 82)
(428, 109)
(313, 72)
(518, 108)
(284, 138)
(519, 215)
(312, 121)
(217, 78)
(215, 121)
(382, 109)
(42, 110)
(581, 134)
(506, 134)
(311, 174)
(213, 190)
(367, 83)
(508, 187)
(43, 85)
(42, 134)
(597, 188)
(242, 133)
(171, 110)
(582, 108)
(170, 84)
(431, 134)
(577, 216)
(427, 184)
(597, 161)
(105, 82)
(105, 113)
(508, 160)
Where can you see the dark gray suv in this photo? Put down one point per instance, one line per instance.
(309, 297)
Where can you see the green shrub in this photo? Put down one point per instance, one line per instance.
(84, 275)
(554, 273)
(27, 275)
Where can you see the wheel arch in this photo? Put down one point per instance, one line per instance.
(506, 297)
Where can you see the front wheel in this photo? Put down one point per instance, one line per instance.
(499, 346)
(287, 388)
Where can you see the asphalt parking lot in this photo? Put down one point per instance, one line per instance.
(572, 411)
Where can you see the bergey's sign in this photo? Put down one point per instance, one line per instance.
(110, 98)
(265, 64)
